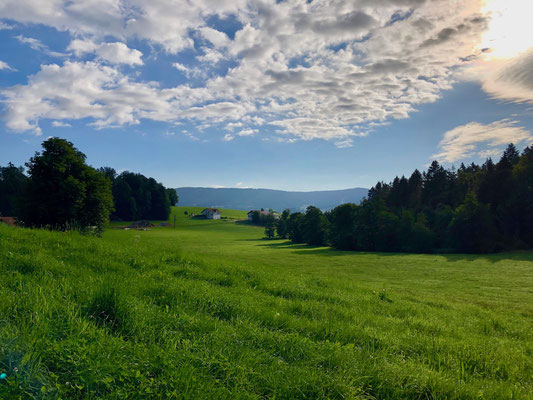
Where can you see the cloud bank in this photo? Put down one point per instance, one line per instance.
(303, 70)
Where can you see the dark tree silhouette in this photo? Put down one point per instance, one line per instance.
(270, 226)
(12, 185)
(172, 196)
(138, 197)
(63, 192)
(473, 209)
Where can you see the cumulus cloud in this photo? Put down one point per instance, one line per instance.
(307, 70)
(479, 140)
(167, 25)
(83, 90)
(115, 53)
(248, 132)
(217, 38)
(4, 65)
(233, 125)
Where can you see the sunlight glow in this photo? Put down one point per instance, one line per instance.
(510, 29)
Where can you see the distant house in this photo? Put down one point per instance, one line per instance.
(262, 214)
(211, 213)
(9, 220)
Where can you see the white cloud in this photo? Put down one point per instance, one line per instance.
(313, 128)
(181, 67)
(190, 135)
(84, 90)
(158, 21)
(115, 53)
(81, 47)
(479, 140)
(4, 26)
(210, 56)
(503, 61)
(37, 45)
(513, 80)
(4, 65)
(60, 124)
(314, 70)
(228, 137)
(247, 132)
(341, 144)
(217, 38)
(194, 72)
(218, 112)
(233, 125)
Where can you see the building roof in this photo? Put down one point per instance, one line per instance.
(213, 210)
(262, 212)
(9, 220)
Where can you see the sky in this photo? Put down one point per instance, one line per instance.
(292, 95)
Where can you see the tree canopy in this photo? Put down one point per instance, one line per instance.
(60, 191)
(138, 197)
(473, 209)
(63, 192)
(12, 185)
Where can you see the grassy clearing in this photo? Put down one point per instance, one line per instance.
(210, 310)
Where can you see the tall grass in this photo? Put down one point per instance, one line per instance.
(159, 315)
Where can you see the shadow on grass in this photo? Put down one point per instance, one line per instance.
(286, 245)
(300, 248)
(248, 223)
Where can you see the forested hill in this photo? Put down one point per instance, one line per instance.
(279, 200)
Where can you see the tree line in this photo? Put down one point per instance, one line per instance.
(474, 209)
(60, 191)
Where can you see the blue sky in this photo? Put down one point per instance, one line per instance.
(290, 95)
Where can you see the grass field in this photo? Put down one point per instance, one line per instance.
(210, 310)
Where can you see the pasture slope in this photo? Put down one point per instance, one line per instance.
(209, 310)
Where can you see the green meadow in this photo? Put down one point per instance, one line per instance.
(211, 310)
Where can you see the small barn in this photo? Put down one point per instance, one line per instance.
(211, 213)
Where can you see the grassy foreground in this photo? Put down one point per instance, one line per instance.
(210, 310)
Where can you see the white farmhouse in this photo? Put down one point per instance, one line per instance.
(262, 214)
(211, 213)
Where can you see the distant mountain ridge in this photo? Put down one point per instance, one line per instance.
(255, 199)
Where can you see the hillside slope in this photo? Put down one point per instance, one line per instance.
(210, 310)
(252, 199)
